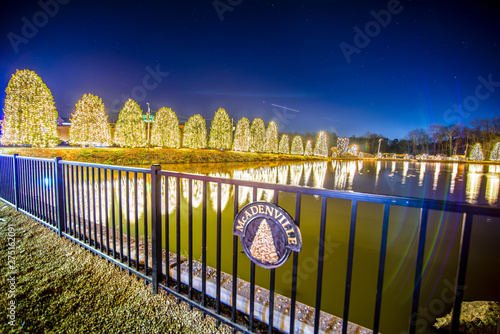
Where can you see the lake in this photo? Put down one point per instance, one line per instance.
(471, 183)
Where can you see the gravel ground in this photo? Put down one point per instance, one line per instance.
(60, 287)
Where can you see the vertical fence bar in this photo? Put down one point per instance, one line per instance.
(319, 284)
(156, 232)
(94, 206)
(167, 229)
(106, 215)
(145, 206)
(204, 247)
(59, 187)
(462, 270)
(190, 242)
(16, 180)
(381, 269)
(136, 225)
(295, 267)
(75, 216)
(87, 174)
(113, 214)
(219, 246)
(82, 192)
(100, 208)
(252, 277)
(350, 260)
(424, 213)
(235, 259)
(178, 235)
(272, 280)
(120, 214)
(127, 207)
(78, 192)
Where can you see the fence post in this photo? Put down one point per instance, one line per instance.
(16, 181)
(59, 195)
(156, 225)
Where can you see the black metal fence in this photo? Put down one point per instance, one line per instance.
(126, 215)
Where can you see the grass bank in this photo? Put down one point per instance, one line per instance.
(142, 156)
(62, 288)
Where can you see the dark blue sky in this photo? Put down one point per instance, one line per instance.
(409, 74)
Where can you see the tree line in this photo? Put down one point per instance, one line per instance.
(30, 119)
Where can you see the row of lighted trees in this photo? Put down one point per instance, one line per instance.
(30, 119)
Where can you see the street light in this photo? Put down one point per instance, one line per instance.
(379, 142)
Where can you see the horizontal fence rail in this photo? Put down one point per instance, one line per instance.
(134, 218)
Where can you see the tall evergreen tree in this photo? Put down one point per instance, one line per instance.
(297, 146)
(242, 136)
(321, 147)
(495, 153)
(258, 132)
(477, 153)
(284, 146)
(221, 131)
(195, 133)
(165, 131)
(130, 130)
(89, 123)
(271, 142)
(29, 112)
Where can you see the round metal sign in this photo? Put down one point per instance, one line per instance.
(267, 234)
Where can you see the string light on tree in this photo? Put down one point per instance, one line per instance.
(477, 154)
(342, 145)
(130, 130)
(195, 133)
(242, 136)
(89, 123)
(354, 150)
(29, 112)
(321, 147)
(297, 146)
(271, 144)
(258, 133)
(284, 146)
(165, 131)
(495, 154)
(308, 150)
(221, 131)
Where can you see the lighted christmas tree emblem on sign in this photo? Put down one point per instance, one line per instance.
(268, 234)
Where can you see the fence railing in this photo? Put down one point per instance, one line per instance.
(133, 217)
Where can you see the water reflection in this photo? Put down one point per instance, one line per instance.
(473, 182)
(453, 178)
(437, 169)
(492, 184)
(422, 173)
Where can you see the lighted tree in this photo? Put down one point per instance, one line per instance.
(221, 131)
(477, 154)
(342, 145)
(258, 132)
(195, 133)
(271, 142)
(89, 123)
(308, 150)
(29, 112)
(263, 248)
(297, 146)
(242, 136)
(284, 147)
(165, 131)
(495, 154)
(130, 130)
(321, 147)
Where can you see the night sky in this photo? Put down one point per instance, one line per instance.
(417, 67)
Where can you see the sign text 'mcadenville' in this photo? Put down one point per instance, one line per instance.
(272, 212)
